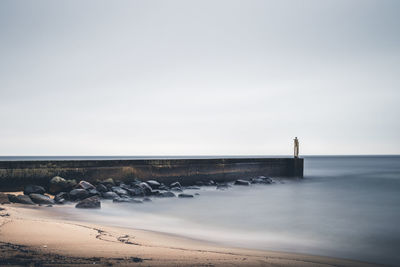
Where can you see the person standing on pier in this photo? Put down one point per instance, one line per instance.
(296, 147)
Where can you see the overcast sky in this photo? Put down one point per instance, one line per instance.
(199, 77)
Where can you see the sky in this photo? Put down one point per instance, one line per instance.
(199, 77)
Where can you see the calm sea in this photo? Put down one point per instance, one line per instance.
(346, 206)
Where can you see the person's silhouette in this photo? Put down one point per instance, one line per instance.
(296, 147)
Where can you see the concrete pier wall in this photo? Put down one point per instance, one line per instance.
(15, 174)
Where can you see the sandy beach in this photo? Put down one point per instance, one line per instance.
(37, 236)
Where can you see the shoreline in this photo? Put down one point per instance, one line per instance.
(36, 235)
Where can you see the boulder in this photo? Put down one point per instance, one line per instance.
(146, 188)
(34, 189)
(135, 182)
(86, 185)
(155, 193)
(175, 184)
(185, 195)
(119, 190)
(58, 184)
(153, 183)
(24, 199)
(163, 187)
(109, 195)
(109, 186)
(199, 183)
(77, 194)
(176, 189)
(4, 199)
(12, 198)
(41, 199)
(124, 186)
(241, 182)
(61, 198)
(60, 195)
(71, 183)
(93, 192)
(259, 180)
(108, 181)
(136, 191)
(101, 188)
(89, 203)
(167, 194)
(146, 199)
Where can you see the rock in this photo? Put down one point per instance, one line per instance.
(167, 194)
(241, 182)
(109, 195)
(185, 195)
(71, 184)
(12, 198)
(124, 186)
(155, 193)
(211, 182)
(199, 183)
(4, 199)
(108, 181)
(136, 191)
(86, 185)
(58, 184)
(60, 201)
(163, 187)
(77, 194)
(101, 188)
(135, 182)
(196, 194)
(146, 199)
(89, 203)
(109, 186)
(261, 180)
(175, 184)
(61, 196)
(146, 188)
(93, 192)
(34, 189)
(119, 190)
(24, 199)
(176, 189)
(153, 183)
(41, 199)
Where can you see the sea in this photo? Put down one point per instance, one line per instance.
(345, 207)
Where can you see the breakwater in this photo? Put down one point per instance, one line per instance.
(15, 174)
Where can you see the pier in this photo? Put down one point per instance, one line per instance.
(15, 174)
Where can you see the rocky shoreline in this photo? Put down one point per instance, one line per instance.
(60, 191)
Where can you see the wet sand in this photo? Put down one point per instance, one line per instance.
(37, 235)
